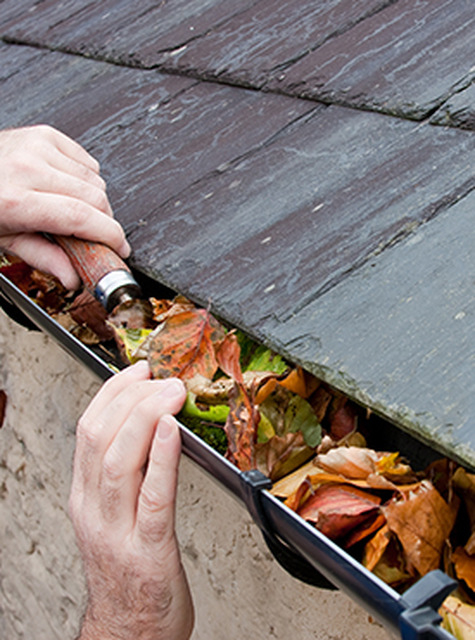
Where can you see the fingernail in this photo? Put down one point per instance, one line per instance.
(172, 388)
(125, 249)
(165, 427)
(141, 365)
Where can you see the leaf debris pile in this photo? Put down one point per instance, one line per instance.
(261, 412)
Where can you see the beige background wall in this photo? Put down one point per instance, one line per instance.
(239, 590)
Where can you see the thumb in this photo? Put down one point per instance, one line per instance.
(156, 504)
(42, 254)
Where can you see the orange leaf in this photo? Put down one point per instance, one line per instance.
(464, 566)
(298, 497)
(164, 308)
(376, 547)
(184, 345)
(300, 382)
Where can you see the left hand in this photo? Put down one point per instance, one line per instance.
(122, 505)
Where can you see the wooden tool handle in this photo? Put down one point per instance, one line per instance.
(92, 260)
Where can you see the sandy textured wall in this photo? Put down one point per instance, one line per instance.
(239, 590)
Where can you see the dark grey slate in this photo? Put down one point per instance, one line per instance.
(399, 333)
(405, 60)
(458, 111)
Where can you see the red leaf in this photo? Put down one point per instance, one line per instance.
(336, 509)
(3, 405)
(228, 356)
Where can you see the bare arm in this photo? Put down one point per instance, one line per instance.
(49, 183)
(124, 516)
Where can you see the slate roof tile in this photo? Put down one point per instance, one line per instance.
(326, 221)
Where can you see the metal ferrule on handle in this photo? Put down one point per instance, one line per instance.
(115, 287)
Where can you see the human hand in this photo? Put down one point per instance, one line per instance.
(50, 184)
(123, 504)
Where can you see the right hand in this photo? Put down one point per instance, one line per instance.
(49, 183)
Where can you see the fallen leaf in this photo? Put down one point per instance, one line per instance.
(364, 530)
(300, 382)
(228, 356)
(458, 618)
(464, 484)
(210, 413)
(219, 391)
(290, 484)
(3, 405)
(320, 401)
(464, 566)
(280, 455)
(130, 343)
(241, 429)
(163, 308)
(184, 345)
(422, 521)
(336, 509)
(87, 311)
(376, 547)
(343, 421)
(366, 464)
(288, 412)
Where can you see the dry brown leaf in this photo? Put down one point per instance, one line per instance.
(464, 566)
(344, 421)
(164, 308)
(422, 522)
(464, 484)
(241, 429)
(365, 530)
(320, 401)
(289, 484)
(282, 454)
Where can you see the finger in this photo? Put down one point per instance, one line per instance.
(125, 458)
(89, 425)
(38, 252)
(75, 184)
(114, 386)
(156, 505)
(65, 215)
(65, 144)
(96, 432)
(60, 174)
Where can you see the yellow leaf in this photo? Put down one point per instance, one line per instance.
(458, 618)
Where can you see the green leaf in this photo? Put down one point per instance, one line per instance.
(213, 413)
(130, 340)
(265, 430)
(255, 357)
(300, 416)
